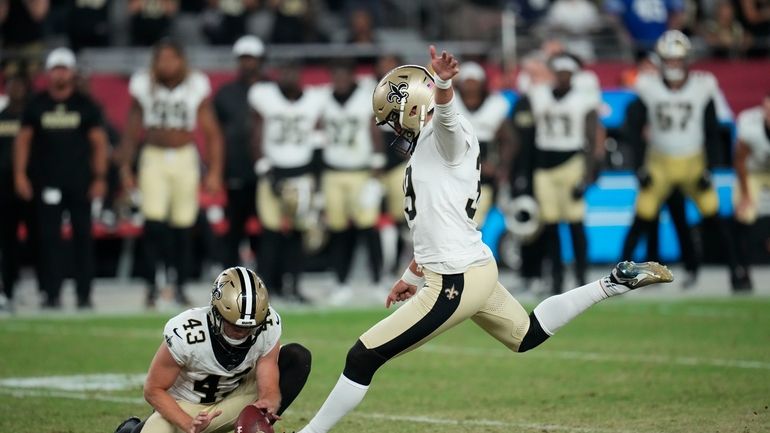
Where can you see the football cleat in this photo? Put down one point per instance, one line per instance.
(635, 275)
(128, 425)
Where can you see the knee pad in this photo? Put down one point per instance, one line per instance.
(295, 354)
(362, 363)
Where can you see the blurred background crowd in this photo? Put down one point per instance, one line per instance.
(103, 229)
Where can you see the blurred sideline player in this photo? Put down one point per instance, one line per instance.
(681, 119)
(393, 174)
(168, 101)
(285, 141)
(568, 141)
(752, 168)
(351, 152)
(455, 272)
(487, 113)
(217, 359)
(14, 210)
(232, 108)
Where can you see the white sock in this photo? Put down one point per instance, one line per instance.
(345, 396)
(556, 311)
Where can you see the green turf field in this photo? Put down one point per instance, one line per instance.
(624, 366)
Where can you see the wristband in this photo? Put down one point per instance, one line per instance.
(442, 84)
(411, 278)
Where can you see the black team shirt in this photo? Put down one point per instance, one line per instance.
(10, 123)
(60, 155)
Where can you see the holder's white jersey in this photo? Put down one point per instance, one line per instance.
(288, 126)
(560, 123)
(486, 119)
(204, 379)
(675, 117)
(441, 196)
(166, 108)
(348, 128)
(754, 133)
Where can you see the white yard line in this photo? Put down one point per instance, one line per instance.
(442, 349)
(603, 357)
(27, 393)
(23, 393)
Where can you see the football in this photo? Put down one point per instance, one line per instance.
(252, 420)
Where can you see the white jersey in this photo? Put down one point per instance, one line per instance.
(486, 119)
(348, 128)
(560, 123)
(288, 126)
(203, 379)
(166, 108)
(755, 133)
(675, 117)
(441, 197)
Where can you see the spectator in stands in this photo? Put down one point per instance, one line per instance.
(21, 26)
(89, 24)
(294, 22)
(224, 21)
(63, 146)
(530, 12)
(641, 22)
(361, 25)
(14, 210)
(755, 17)
(237, 123)
(724, 34)
(151, 20)
(575, 20)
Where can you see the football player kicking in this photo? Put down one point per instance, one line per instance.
(455, 270)
(216, 360)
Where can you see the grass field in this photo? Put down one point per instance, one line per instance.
(624, 366)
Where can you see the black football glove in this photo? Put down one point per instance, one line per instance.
(643, 176)
(705, 182)
(579, 190)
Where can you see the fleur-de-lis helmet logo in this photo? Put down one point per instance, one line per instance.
(397, 92)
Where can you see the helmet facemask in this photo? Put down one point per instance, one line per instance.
(673, 50)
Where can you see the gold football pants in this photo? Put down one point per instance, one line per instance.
(231, 406)
(554, 187)
(485, 203)
(445, 301)
(666, 174)
(342, 194)
(757, 182)
(168, 182)
(393, 182)
(285, 210)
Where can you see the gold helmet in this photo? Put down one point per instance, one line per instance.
(673, 51)
(404, 97)
(239, 297)
(673, 44)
